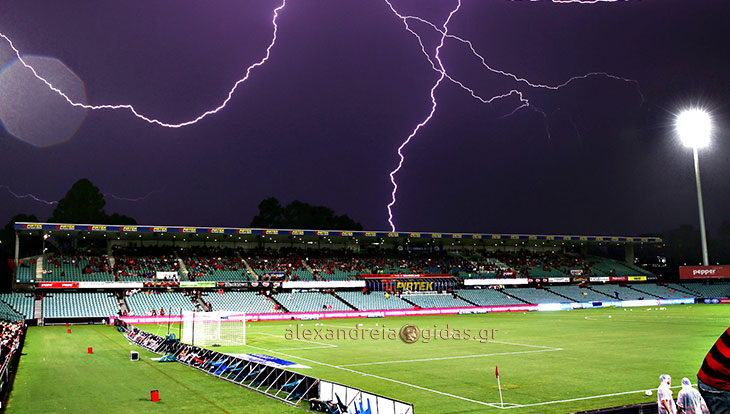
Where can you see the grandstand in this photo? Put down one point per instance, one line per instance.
(534, 295)
(143, 303)
(487, 297)
(247, 302)
(621, 292)
(374, 300)
(19, 302)
(435, 300)
(82, 267)
(79, 305)
(280, 278)
(310, 302)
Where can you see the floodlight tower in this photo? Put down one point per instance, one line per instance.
(694, 127)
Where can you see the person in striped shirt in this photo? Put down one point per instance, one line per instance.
(713, 379)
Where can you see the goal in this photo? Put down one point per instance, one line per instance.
(214, 328)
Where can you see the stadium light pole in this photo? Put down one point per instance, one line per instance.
(694, 127)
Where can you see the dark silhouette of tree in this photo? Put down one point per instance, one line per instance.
(269, 214)
(84, 203)
(300, 215)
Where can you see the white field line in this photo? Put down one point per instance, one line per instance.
(583, 398)
(304, 347)
(493, 405)
(551, 348)
(446, 358)
(323, 344)
(528, 345)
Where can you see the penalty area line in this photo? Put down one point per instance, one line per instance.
(615, 394)
(493, 405)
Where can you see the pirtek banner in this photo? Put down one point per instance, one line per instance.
(704, 272)
(414, 286)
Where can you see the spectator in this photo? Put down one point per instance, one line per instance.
(689, 399)
(664, 396)
(713, 379)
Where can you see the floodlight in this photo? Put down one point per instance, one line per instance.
(694, 127)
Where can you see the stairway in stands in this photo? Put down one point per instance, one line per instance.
(39, 268)
(514, 297)
(183, 268)
(38, 311)
(251, 273)
(646, 293)
(562, 296)
(344, 301)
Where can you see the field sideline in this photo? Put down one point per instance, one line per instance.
(549, 362)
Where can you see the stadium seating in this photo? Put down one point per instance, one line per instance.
(624, 293)
(533, 295)
(717, 290)
(487, 297)
(26, 271)
(444, 300)
(247, 302)
(579, 294)
(310, 302)
(20, 302)
(211, 264)
(288, 262)
(664, 292)
(9, 314)
(374, 301)
(81, 267)
(78, 305)
(172, 302)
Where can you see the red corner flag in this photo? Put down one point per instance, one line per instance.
(496, 371)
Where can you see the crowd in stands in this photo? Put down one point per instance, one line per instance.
(132, 262)
(207, 262)
(537, 264)
(10, 335)
(85, 263)
(268, 264)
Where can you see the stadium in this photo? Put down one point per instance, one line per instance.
(365, 207)
(279, 320)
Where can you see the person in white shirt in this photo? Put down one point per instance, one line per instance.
(665, 398)
(689, 400)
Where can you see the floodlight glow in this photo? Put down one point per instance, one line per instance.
(694, 127)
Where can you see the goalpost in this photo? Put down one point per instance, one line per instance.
(214, 328)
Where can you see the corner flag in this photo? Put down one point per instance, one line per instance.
(499, 384)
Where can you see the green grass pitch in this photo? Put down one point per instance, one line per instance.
(549, 362)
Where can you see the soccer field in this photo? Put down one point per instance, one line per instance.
(549, 362)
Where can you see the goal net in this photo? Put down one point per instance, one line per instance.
(214, 328)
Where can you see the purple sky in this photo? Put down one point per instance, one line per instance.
(345, 84)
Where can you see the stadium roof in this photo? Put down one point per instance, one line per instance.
(231, 231)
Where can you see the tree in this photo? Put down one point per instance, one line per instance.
(300, 215)
(83, 203)
(269, 214)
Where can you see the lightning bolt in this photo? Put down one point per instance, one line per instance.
(439, 67)
(133, 200)
(442, 72)
(131, 108)
(31, 196)
(54, 202)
